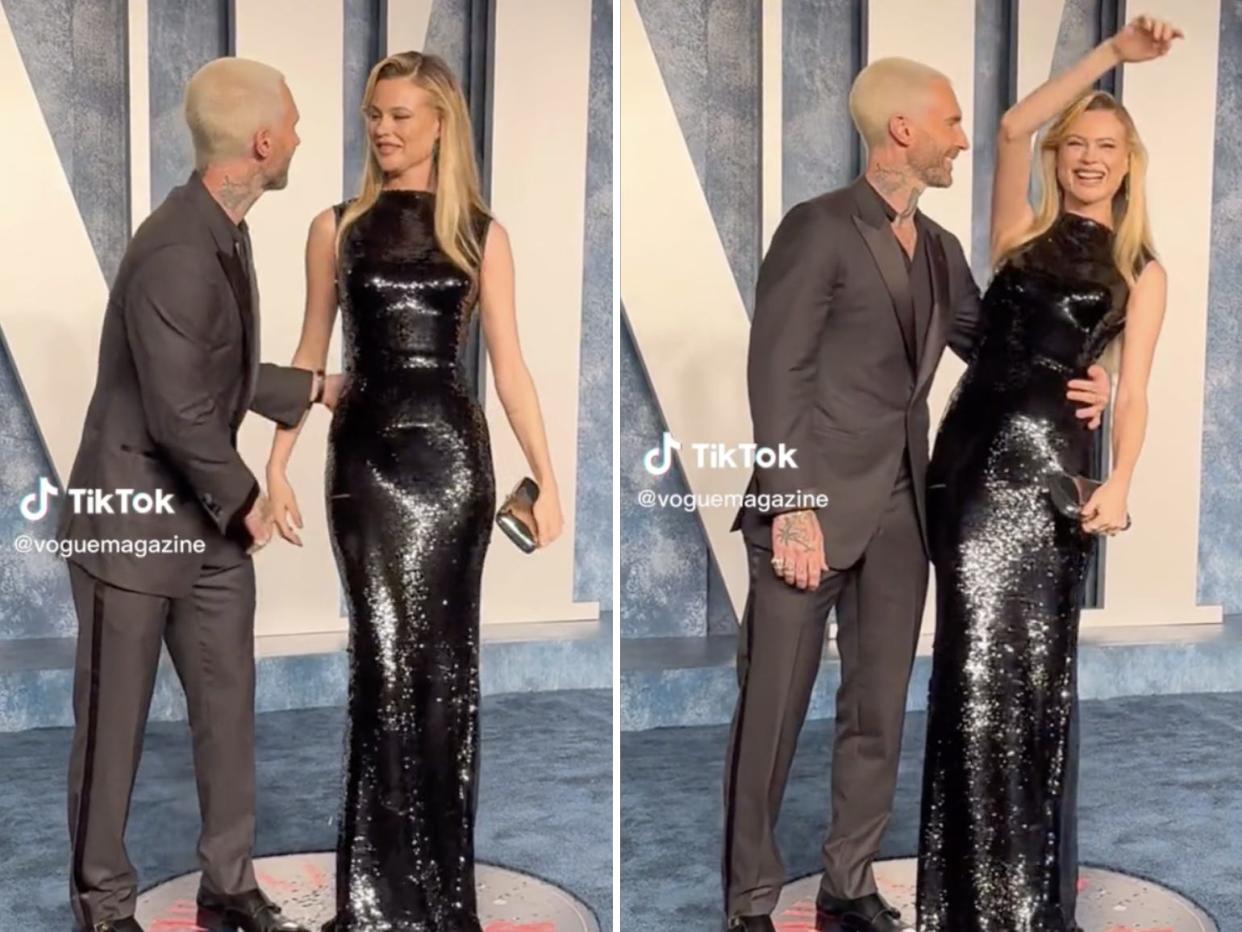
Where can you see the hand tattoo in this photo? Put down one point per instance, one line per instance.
(796, 528)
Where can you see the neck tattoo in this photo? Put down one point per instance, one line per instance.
(912, 204)
(898, 186)
(889, 180)
(235, 195)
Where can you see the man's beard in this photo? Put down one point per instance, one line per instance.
(934, 170)
(279, 180)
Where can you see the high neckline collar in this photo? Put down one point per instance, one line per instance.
(1085, 222)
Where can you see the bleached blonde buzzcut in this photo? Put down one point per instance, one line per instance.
(227, 101)
(885, 88)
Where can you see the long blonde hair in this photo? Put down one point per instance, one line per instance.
(455, 174)
(1132, 241)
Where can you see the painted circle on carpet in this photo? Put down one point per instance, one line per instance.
(1108, 901)
(302, 884)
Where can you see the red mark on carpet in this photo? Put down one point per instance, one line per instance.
(269, 880)
(797, 917)
(316, 875)
(181, 916)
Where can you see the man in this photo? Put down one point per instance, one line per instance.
(178, 369)
(856, 300)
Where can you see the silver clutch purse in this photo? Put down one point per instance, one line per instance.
(1070, 493)
(516, 516)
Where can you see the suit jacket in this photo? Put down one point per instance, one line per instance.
(828, 372)
(178, 370)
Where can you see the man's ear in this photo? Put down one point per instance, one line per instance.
(262, 143)
(899, 130)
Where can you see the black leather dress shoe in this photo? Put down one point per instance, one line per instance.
(865, 914)
(128, 924)
(751, 924)
(248, 912)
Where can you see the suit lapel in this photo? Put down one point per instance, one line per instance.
(933, 345)
(225, 234)
(886, 252)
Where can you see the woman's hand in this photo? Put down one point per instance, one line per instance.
(1145, 38)
(284, 505)
(547, 514)
(1106, 511)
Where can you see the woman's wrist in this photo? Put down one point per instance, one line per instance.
(1111, 52)
(1120, 480)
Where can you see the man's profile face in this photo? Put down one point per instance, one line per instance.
(285, 141)
(937, 135)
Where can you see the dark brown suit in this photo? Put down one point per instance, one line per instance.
(839, 368)
(178, 370)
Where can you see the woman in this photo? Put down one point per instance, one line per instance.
(411, 494)
(998, 843)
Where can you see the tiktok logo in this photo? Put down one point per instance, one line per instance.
(668, 443)
(720, 456)
(34, 506)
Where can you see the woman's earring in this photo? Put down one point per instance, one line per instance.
(435, 151)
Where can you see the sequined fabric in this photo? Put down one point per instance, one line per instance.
(998, 849)
(411, 496)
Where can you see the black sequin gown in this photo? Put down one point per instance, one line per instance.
(410, 507)
(998, 844)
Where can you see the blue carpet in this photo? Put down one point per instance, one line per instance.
(1160, 798)
(545, 805)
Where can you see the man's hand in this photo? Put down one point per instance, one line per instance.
(326, 389)
(798, 548)
(259, 524)
(333, 384)
(1093, 392)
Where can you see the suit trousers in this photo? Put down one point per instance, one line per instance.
(879, 602)
(210, 637)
